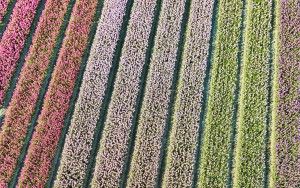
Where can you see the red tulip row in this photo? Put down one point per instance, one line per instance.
(50, 123)
(24, 99)
(13, 40)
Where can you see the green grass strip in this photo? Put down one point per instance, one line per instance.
(216, 147)
(252, 126)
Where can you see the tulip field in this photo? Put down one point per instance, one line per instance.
(150, 93)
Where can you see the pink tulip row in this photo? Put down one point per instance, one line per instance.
(183, 142)
(78, 144)
(110, 160)
(50, 123)
(21, 107)
(3, 8)
(13, 40)
(154, 112)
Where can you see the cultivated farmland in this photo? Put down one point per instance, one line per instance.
(254, 102)
(149, 93)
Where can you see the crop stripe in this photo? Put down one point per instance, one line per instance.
(205, 93)
(218, 121)
(252, 126)
(7, 7)
(267, 141)
(237, 94)
(20, 62)
(14, 38)
(33, 80)
(57, 157)
(108, 94)
(93, 97)
(275, 88)
(141, 93)
(287, 112)
(50, 122)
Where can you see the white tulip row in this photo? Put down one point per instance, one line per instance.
(181, 158)
(78, 144)
(113, 152)
(147, 153)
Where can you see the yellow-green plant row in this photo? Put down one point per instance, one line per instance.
(216, 148)
(253, 121)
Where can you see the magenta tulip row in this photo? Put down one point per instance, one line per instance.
(3, 8)
(50, 123)
(13, 40)
(20, 110)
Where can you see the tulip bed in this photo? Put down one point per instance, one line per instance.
(149, 93)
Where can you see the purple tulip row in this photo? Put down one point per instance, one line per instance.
(20, 110)
(13, 40)
(78, 145)
(287, 112)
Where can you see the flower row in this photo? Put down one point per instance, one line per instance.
(13, 40)
(154, 113)
(78, 145)
(24, 99)
(254, 107)
(183, 141)
(217, 142)
(286, 121)
(50, 123)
